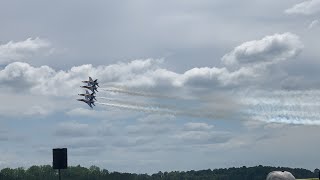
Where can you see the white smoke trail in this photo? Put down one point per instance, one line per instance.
(159, 110)
(138, 93)
(137, 103)
(290, 107)
(139, 108)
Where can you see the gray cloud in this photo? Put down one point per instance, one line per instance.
(4, 135)
(110, 114)
(8, 159)
(72, 129)
(152, 125)
(132, 141)
(202, 137)
(87, 151)
(83, 142)
(149, 129)
(26, 105)
(254, 124)
(156, 119)
(192, 36)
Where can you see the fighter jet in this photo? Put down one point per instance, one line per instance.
(92, 82)
(88, 96)
(89, 102)
(91, 88)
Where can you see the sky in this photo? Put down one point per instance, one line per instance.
(184, 85)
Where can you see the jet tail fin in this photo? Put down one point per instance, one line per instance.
(96, 83)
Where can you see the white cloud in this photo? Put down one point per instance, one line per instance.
(306, 8)
(270, 49)
(47, 81)
(21, 76)
(313, 24)
(195, 126)
(21, 50)
(147, 74)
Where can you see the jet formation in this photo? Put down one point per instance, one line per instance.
(89, 98)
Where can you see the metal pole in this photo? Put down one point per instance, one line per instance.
(59, 175)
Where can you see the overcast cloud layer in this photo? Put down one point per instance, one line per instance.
(183, 86)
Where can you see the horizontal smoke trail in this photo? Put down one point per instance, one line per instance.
(136, 103)
(139, 108)
(289, 107)
(137, 93)
(159, 110)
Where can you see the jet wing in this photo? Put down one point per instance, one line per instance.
(90, 104)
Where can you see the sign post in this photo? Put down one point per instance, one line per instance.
(60, 159)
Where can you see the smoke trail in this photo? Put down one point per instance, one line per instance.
(137, 93)
(159, 110)
(139, 108)
(289, 107)
(137, 103)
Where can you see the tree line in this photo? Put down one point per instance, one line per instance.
(45, 172)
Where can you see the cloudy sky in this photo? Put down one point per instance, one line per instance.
(184, 85)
